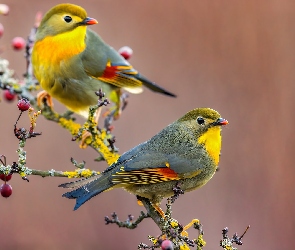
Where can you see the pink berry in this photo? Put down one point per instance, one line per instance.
(23, 104)
(6, 190)
(126, 52)
(1, 29)
(18, 43)
(167, 245)
(5, 177)
(4, 9)
(8, 95)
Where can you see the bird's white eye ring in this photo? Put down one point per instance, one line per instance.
(68, 19)
(200, 120)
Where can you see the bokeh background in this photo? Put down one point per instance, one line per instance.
(237, 57)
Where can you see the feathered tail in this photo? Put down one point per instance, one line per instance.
(153, 86)
(87, 188)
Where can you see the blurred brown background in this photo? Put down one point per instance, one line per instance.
(237, 57)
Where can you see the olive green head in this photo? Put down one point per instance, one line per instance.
(205, 125)
(203, 117)
(63, 18)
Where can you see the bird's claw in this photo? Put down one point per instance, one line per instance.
(44, 97)
(84, 137)
(189, 225)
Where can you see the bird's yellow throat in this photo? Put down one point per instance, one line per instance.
(212, 142)
(53, 49)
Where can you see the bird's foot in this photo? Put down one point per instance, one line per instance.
(114, 113)
(44, 97)
(84, 137)
(97, 115)
(121, 105)
(117, 114)
(139, 203)
(194, 222)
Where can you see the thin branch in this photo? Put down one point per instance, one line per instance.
(129, 223)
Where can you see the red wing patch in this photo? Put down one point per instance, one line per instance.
(145, 176)
(120, 76)
(110, 72)
(168, 173)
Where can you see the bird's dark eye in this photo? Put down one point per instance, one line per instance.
(201, 120)
(68, 19)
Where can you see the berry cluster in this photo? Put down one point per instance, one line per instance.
(17, 43)
(6, 189)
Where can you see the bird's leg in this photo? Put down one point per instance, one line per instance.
(156, 207)
(114, 112)
(124, 101)
(159, 210)
(118, 112)
(97, 114)
(120, 104)
(189, 225)
(42, 97)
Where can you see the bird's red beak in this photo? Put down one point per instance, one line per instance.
(221, 121)
(89, 21)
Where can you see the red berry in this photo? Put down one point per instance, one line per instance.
(6, 190)
(23, 104)
(8, 95)
(5, 177)
(126, 52)
(167, 245)
(18, 43)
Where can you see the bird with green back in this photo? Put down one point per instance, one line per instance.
(72, 62)
(186, 152)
